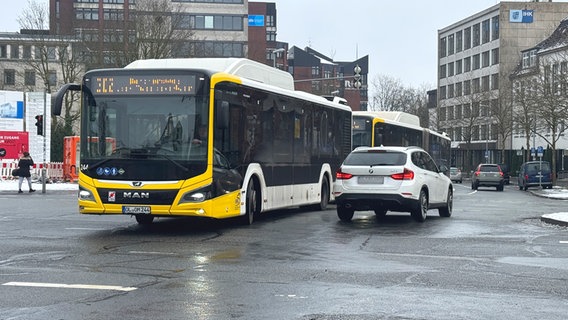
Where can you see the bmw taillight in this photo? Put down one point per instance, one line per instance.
(342, 175)
(407, 174)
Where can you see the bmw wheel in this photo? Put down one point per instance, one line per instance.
(447, 210)
(345, 214)
(421, 210)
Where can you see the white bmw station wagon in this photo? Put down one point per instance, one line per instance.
(382, 179)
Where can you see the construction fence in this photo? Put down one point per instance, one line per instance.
(54, 171)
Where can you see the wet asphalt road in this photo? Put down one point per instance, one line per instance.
(493, 259)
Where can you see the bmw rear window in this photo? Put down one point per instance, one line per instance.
(374, 158)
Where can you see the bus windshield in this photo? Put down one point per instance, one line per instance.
(146, 137)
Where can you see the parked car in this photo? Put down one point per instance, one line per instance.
(456, 175)
(488, 175)
(534, 174)
(506, 172)
(402, 179)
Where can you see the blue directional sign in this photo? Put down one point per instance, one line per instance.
(539, 151)
(533, 152)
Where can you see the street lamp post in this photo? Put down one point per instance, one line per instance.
(274, 52)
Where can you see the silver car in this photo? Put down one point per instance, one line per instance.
(488, 175)
(456, 175)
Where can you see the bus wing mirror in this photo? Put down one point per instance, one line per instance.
(223, 115)
(57, 100)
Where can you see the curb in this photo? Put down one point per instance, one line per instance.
(554, 221)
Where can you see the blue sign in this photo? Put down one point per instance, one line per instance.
(255, 20)
(540, 151)
(521, 16)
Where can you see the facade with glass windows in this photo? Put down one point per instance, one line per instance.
(476, 57)
(109, 28)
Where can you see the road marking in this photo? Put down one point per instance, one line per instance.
(563, 242)
(68, 286)
(88, 229)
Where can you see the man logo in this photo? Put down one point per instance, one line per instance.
(136, 195)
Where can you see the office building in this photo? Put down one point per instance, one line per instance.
(476, 58)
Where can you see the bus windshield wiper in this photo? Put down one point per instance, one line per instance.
(179, 165)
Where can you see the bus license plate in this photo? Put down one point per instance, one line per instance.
(136, 210)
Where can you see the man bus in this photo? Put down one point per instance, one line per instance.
(266, 146)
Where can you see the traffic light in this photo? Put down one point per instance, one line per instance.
(39, 124)
(357, 76)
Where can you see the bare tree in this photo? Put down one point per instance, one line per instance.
(524, 114)
(392, 95)
(52, 57)
(157, 29)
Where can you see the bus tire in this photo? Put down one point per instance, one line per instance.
(252, 203)
(324, 197)
(144, 219)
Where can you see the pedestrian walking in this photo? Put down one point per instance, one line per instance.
(24, 165)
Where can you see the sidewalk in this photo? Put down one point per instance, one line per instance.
(558, 193)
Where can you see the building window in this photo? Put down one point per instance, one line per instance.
(450, 113)
(467, 87)
(458, 111)
(467, 38)
(443, 47)
(495, 81)
(9, 77)
(467, 64)
(27, 52)
(3, 51)
(443, 71)
(451, 44)
(442, 92)
(475, 85)
(476, 35)
(29, 78)
(270, 36)
(212, 22)
(495, 28)
(14, 51)
(495, 56)
(315, 71)
(450, 69)
(459, 89)
(485, 32)
(485, 59)
(270, 21)
(459, 66)
(450, 91)
(529, 59)
(459, 41)
(476, 62)
(52, 78)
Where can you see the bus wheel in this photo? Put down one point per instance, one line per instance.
(144, 219)
(252, 206)
(324, 200)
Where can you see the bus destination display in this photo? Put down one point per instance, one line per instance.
(143, 84)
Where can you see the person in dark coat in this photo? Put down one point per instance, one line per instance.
(24, 165)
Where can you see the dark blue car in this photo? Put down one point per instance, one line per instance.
(534, 174)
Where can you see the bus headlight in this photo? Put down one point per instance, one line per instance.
(196, 196)
(86, 195)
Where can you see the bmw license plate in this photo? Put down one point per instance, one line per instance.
(136, 210)
(371, 180)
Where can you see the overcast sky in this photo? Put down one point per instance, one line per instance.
(400, 37)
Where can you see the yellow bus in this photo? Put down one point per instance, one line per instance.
(204, 137)
(394, 128)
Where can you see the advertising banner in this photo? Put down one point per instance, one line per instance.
(13, 144)
(11, 111)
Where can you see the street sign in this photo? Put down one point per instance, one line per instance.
(533, 152)
(540, 151)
